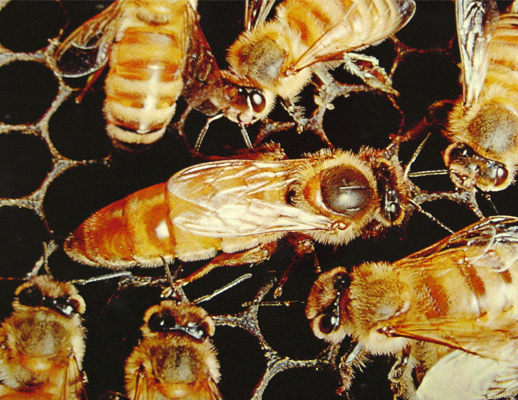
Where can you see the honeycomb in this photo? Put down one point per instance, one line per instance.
(57, 167)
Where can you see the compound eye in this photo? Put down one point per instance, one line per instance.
(257, 101)
(500, 175)
(342, 282)
(30, 296)
(161, 322)
(346, 190)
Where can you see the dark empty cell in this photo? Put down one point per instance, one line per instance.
(25, 161)
(78, 130)
(75, 195)
(27, 25)
(293, 337)
(303, 383)
(242, 362)
(424, 78)
(26, 92)
(22, 234)
(362, 119)
(432, 26)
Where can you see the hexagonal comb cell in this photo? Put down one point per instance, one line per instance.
(27, 90)
(26, 161)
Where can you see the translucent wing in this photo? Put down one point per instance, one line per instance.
(496, 339)
(364, 23)
(489, 243)
(87, 48)
(256, 12)
(73, 377)
(213, 390)
(142, 390)
(475, 23)
(239, 198)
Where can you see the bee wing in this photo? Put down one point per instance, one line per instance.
(141, 386)
(496, 339)
(239, 198)
(475, 23)
(489, 243)
(86, 49)
(213, 391)
(364, 23)
(256, 12)
(73, 377)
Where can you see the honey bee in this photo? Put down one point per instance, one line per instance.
(146, 44)
(454, 302)
(278, 57)
(42, 343)
(483, 124)
(175, 358)
(241, 208)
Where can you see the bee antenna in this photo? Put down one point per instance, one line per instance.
(246, 138)
(204, 130)
(415, 155)
(424, 212)
(432, 172)
(222, 289)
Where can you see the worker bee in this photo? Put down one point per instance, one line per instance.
(483, 124)
(278, 57)
(42, 343)
(242, 207)
(452, 303)
(146, 45)
(175, 358)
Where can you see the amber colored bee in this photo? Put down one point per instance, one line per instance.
(175, 358)
(146, 44)
(242, 207)
(42, 343)
(483, 124)
(278, 57)
(452, 303)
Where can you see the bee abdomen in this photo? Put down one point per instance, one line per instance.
(131, 231)
(143, 84)
(503, 47)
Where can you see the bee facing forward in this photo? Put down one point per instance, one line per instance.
(456, 299)
(483, 125)
(146, 45)
(175, 359)
(42, 343)
(243, 207)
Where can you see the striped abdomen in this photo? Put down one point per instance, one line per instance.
(145, 77)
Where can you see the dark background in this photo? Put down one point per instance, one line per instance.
(39, 204)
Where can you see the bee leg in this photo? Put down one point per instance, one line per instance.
(89, 82)
(367, 69)
(303, 246)
(400, 377)
(254, 255)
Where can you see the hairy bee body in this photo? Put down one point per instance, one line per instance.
(483, 124)
(145, 45)
(42, 343)
(457, 297)
(278, 57)
(233, 205)
(176, 358)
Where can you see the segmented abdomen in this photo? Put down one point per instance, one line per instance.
(144, 81)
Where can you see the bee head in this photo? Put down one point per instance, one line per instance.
(170, 317)
(246, 102)
(326, 307)
(41, 291)
(469, 170)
